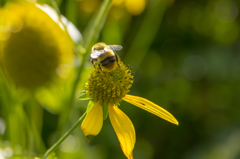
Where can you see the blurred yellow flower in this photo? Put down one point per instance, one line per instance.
(117, 2)
(134, 7)
(89, 6)
(106, 90)
(36, 47)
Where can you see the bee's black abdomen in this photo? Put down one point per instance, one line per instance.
(108, 61)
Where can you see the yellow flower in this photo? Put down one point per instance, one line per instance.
(134, 7)
(106, 90)
(36, 48)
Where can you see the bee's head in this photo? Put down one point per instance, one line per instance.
(99, 46)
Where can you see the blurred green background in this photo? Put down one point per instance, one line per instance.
(185, 55)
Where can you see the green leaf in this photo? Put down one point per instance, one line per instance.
(105, 112)
(90, 105)
(84, 95)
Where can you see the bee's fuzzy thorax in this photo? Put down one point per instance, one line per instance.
(109, 87)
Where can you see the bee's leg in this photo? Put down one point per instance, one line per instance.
(102, 71)
(100, 68)
(117, 60)
(105, 76)
(93, 63)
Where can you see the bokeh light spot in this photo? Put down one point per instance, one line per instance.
(117, 2)
(135, 7)
(234, 68)
(226, 11)
(2, 126)
(4, 33)
(70, 144)
(89, 6)
(152, 65)
(195, 67)
(184, 18)
(8, 152)
(226, 33)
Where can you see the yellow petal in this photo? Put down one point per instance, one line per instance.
(150, 107)
(93, 121)
(124, 129)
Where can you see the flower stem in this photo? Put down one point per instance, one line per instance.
(91, 32)
(153, 19)
(58, 143)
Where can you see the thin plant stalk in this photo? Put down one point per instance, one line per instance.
(95, 29)
(92, 31)
(58, 143)
(147, 32)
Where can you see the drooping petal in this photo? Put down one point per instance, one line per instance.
(124, 129)
(150, 107)
(93, 121)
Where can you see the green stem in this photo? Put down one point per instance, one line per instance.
(55, 6)
(58, 143)
(93, 30)
(147, 32)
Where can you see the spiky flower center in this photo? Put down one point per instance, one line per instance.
(109, 87)
(37, 50)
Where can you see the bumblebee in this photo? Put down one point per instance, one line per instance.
(104, 56)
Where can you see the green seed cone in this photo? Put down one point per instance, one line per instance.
(109, 87)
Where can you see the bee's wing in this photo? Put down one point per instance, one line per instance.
(115, 47)
(96, 53)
